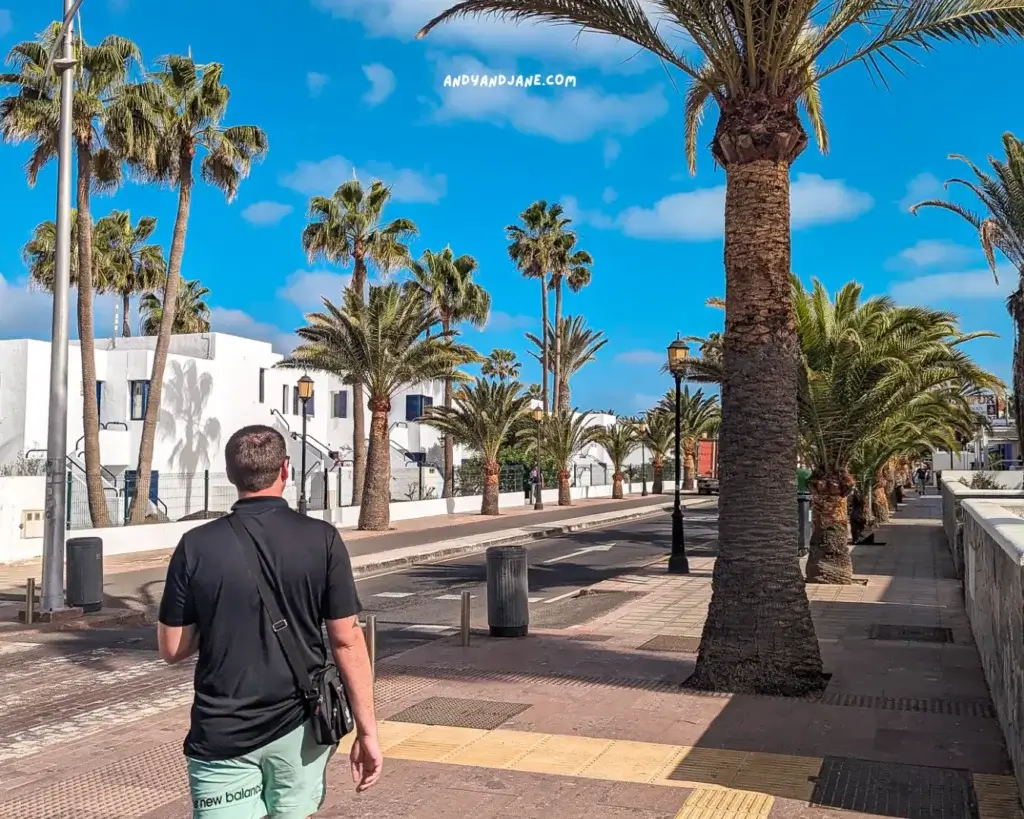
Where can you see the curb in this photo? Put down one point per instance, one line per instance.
(446, 553)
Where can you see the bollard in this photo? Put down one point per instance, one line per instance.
(508, 596)
(85, 573)
(370, 631)
(803, 507)
(466, 598)
(30, 600)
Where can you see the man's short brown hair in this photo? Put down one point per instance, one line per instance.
(254, 457)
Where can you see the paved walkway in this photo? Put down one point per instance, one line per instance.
(591, 722)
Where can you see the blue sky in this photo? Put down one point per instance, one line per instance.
(358, 91)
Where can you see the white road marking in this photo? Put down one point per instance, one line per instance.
(454, 597)
(607, 547)
(395, 594)
(429, 629)
(562, 596)
(535, 599)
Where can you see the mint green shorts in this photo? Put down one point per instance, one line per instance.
(282, 780)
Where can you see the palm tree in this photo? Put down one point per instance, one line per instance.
(618, 441)
(382, 344)
(349, 228)
(1000, 228)
(124, 263)
(699, 417)
(562, 436)
(181, 107)
(532, 248)
(446, 283)
(660, 439)
(483, 416)
(192, 314)
(501, 364)
(40, 254)
(573, 266)
(578, 346)
(760, 68)
(101, 141)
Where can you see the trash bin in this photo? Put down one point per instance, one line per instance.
(85, 573)
(508, 591)
(803, 509)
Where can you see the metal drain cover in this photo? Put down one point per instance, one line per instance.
(668, 642)
(455, 713)
(913, 634)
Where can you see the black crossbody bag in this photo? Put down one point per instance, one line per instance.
(326, 700)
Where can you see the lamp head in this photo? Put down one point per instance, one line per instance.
(305, 388)
(678, 352)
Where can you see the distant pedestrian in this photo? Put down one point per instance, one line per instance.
(922, 477)
(251, 592)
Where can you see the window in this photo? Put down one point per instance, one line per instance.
(263, 374)
(295, 401)
(284, 400)
(138, 392)
(339, 404)
(309, 406)
(416, 405)
(99, 399)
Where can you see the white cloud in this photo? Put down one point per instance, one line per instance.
(502, 322)
(699, 215)
(565, 114)
(315, 82)
(401, 19)
(323, 177)
(641, 357)
(266, 213)
(28, 313)
(239, 323)
(612, 149)
(6, 22)
(608, 195)
(921, 187)
(952, 287)
(382, 83)
(306, 288)
(594, 218)
(931, 252)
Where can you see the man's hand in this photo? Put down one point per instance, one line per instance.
(367, 761)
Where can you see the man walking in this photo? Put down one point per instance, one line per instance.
(251, 750)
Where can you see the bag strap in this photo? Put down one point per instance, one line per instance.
(278, 623)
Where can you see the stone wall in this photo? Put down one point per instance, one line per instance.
(954, 494)
(993, 538)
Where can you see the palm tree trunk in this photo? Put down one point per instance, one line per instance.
(126, 308)
(829, 560)
(489, 506)
(358, 284)
(564, 396)
(758, 636)
(564, 496)
(689, 464)
(881, 500)
(658, 476)
(544, 340)
(617, 486)
(448, 487)
(98, 511)
(375, 510)
(556, 369)
(140, 504)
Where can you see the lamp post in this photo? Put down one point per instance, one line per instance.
(678, 353)
(643, 461)
(538, 500)
(305, 393)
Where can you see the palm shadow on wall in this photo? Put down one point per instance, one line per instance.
(186, 394)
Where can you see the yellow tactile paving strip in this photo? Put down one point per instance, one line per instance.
(727, 784)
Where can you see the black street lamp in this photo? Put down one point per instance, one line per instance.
(538, 500)
(678, 353)
(305, 393)
(643, 460)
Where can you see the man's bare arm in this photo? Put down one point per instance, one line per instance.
(176, 643)
(353, 662)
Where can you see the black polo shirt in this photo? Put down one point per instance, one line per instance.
(245, 693)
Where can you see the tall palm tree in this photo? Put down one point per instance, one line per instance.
(102, 138)
(446, 282)
(382, 344)
(532, 248)
(619, 441)
(760, 68)
(483, 416)
(562, 436)
(659, 438)
(40, 254)
(699, 417)
(125, 264)
(192, 313)
(578, 345)
(501, 364)
(181, 107)
(349, 228)
(572, 266)
(1001, 229)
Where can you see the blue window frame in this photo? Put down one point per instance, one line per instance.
(138, 399)
(416, 405)
(339, 402)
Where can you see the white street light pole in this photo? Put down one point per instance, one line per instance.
(57, 426)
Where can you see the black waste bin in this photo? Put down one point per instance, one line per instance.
(508, 591)
(85, 573)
